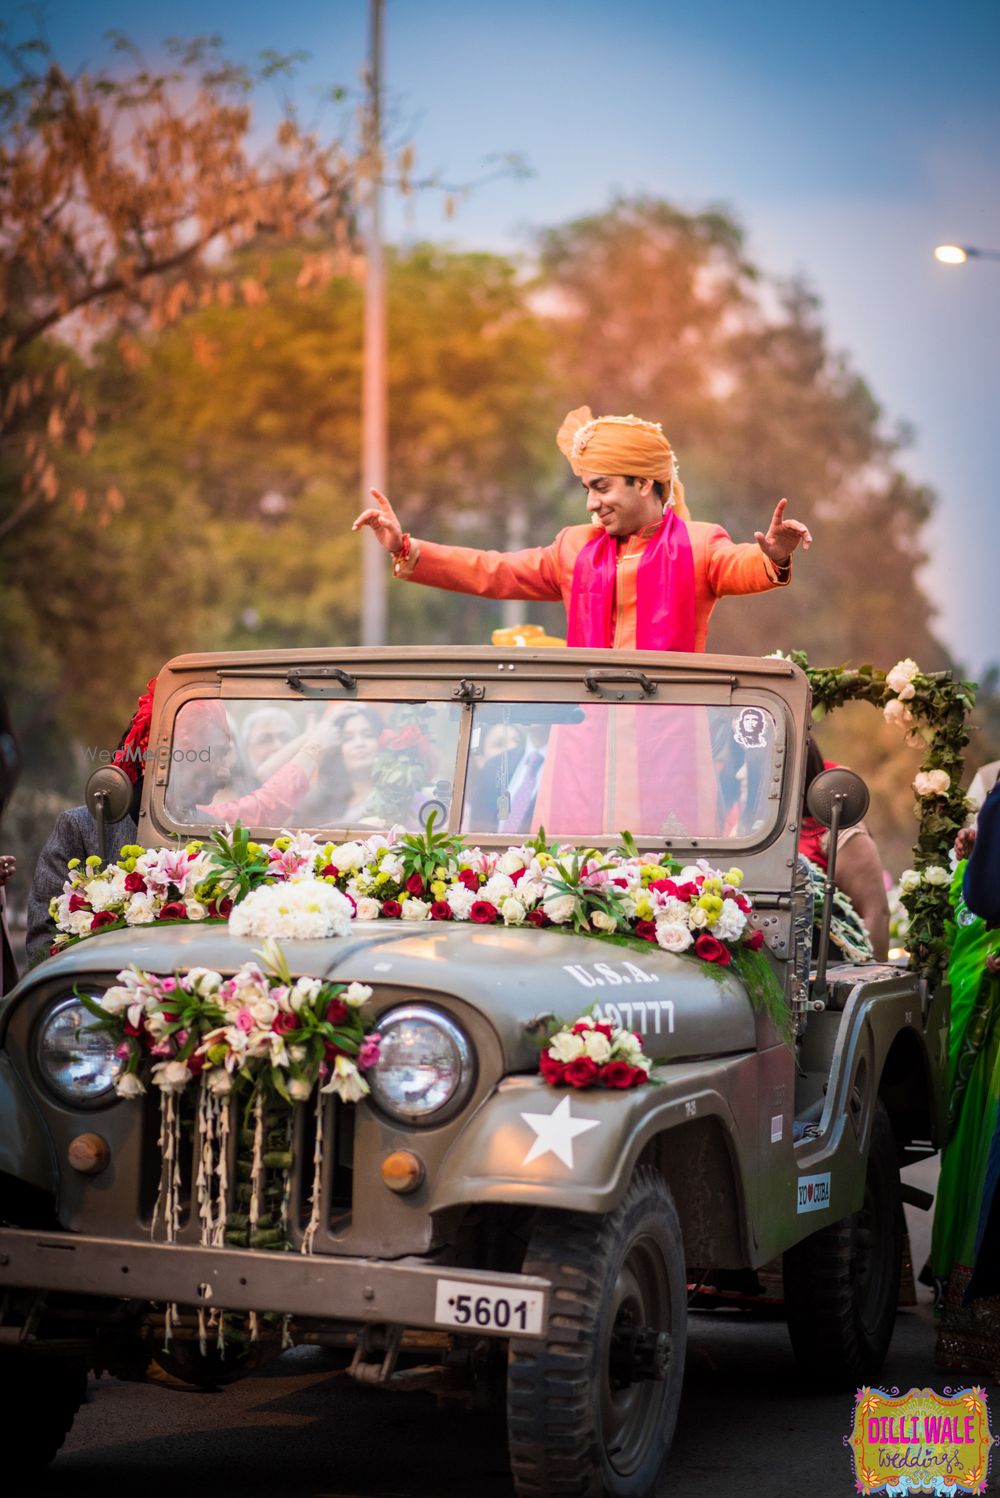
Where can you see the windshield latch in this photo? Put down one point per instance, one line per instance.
(594, 681)
(468, 691)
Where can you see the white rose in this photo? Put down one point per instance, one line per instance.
(559, 908)
(627, 1045)
(264, 1012)
(530, 891)
(204, 981)
(510, 862)
(356, 994)
(195, 910)
(602, 922)
(901, 674)
(697, 917)
(566, 1047)
(673, 938)
(128, 1085)
(935, 874)
(497, 888)
(368, 909)
(172, 1076)
(299, 1089)
(219, 1081)
(415, 910)
(79, 921)
(597, 1047)
(348, 857)
(512, 910)
(897, 713)
(101, 894)
(909, 880)
(393, 866)
(932, 783)
(297, 1054)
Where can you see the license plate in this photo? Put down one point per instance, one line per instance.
(488, 1307)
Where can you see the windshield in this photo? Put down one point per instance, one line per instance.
(303, 764)
(655, 770)
(582, 771)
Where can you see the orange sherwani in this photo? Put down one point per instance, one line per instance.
(545, 573)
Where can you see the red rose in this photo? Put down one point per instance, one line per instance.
(687, 891)
(581, 1072)
(483, 913)
(469, 879)
(414, 885)
(283, 1022)
(331, 871)
(196, 1064)
(337, 1011)
(440, 911)
(710, 949)
(134, 1030)
(755, 941)
(135, 884)
(331, 1050)
(392, 910)
(618, 1074)
(537, 917)
(663, 886)
(77, 902)
(552, 1070)
(103, 918)
(646, 929)
(518, 875)
(621, 883)
(173, 910)
(224, 906)
(743, 903)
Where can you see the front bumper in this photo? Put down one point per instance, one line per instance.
(304, 1285)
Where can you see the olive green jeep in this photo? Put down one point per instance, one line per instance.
(474, 1229)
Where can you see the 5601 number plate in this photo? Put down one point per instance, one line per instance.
(483, 1307)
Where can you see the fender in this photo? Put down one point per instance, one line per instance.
(25, 1144)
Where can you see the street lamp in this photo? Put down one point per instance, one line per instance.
(958, 254)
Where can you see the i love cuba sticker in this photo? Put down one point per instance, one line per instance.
(921, 1442)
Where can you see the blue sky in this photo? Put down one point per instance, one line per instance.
(849, 139)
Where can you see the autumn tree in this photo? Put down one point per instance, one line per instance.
(119, 188)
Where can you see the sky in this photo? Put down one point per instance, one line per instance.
(848, 139)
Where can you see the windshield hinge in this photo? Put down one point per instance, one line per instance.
(468, 691)
(326, 673)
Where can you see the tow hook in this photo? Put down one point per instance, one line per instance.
(639, 1352)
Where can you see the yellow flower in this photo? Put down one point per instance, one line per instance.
(733, 877)
(712, 906)
(93, 861)
(644, 908)
(193, 847)
(282, 844)
(253, 849)
(74, 863)
(439, 889)
(651, 871)
(381, 877)
(712, 887)
(441, 873)
(544, 859)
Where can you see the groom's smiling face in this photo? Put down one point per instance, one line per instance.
(622, 506)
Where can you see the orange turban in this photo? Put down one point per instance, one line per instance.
(621, 445)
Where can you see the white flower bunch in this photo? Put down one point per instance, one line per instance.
(300, 910)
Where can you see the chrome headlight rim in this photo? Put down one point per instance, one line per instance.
(65, 1096)
(440, 1019)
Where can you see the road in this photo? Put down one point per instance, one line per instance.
(301, 1429)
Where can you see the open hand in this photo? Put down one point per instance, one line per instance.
(783, 536)
(381, 518)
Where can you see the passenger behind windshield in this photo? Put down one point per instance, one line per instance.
(319, 765)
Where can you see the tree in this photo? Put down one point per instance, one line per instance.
(116, 191)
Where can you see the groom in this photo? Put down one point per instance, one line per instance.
(643, 575)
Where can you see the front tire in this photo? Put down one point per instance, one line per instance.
(842, 1283)
(39, 1398)
(592, 1409)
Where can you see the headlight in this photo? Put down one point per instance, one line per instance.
(77, 1062)
(425, 1070)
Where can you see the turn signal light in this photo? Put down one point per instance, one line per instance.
(403, 1171)
(89, 1154)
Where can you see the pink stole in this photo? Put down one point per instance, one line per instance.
(653, 763)
(664, 591)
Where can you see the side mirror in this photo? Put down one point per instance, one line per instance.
(838, 786)
(837, 798)
(108, 797)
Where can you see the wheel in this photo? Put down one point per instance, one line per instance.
(592, 1409)
(39, 1397)
(842, 1283)
(182, 1366)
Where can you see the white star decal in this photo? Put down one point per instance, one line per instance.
(555, 1133)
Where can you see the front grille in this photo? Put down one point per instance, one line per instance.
(336, 1176)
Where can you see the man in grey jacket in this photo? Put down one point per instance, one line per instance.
(73, 836)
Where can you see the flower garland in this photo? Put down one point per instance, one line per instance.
(592, 1053)
(300, 888)
(931, 708)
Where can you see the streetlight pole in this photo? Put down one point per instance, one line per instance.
(373, 388)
